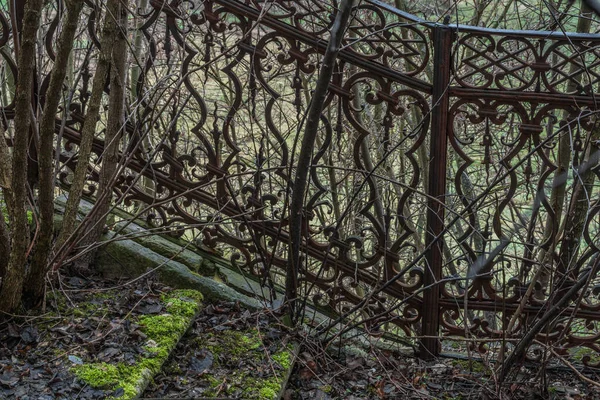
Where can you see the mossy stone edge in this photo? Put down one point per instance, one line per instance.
(163, 333)
(131, 254)
(236, 346)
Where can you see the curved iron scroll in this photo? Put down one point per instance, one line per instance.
(212, 135)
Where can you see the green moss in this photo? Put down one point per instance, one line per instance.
(252, 388)
(234, 346)
(186, 293)
(93, 305)
(111, 377)
(181, 307)
(57, 301)
(162, 327)
(207, 268)
(164, 330)
(89, 309)
(173, 369)
(105, 295)
(251, 341)
(101, 376)
(472, 365)
(212, 381)
(269, 390)
(327, 389)
(283, 358)
(455, 345)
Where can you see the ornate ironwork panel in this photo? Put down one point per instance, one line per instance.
(218, 94)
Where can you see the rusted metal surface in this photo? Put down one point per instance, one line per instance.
(429, 191)
(438, 154)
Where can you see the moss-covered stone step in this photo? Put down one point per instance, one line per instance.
(132, 252)
(247, 346)
(122, 257)
(237, 364)
(163, 333)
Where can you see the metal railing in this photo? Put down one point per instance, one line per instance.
(429, 210)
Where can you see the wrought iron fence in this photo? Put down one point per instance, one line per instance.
(429, 210)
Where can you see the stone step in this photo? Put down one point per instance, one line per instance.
(163, 332)
(233, 347)
(130, 252)
(236, 363)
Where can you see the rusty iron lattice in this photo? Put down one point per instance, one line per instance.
(430, 185)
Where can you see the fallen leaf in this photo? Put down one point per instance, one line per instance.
(202, 364)
(29, 334)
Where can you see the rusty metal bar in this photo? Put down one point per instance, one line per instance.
(430, 312)
(462, 28)
(557, 99)
(319, 44)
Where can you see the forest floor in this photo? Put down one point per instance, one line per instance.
(89, 319)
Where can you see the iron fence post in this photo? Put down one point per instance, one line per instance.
(430, 312)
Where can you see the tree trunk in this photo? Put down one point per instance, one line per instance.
(88, 131)
(5, 183)
(559, 183)
(136, 69)
(7, 87)
(4, 245)
(304, 159)
(12, 285)
(35, 289)
(146, 183)
(5, 162)
(114, 128)
(579, 206)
